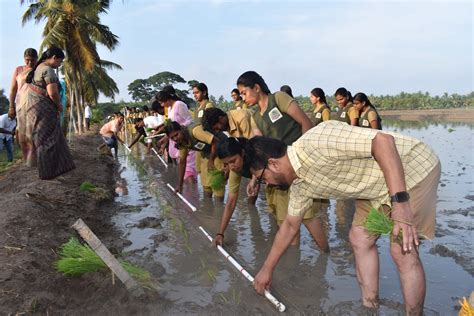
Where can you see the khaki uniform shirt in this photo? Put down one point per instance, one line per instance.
(334, 160)
(199, 112)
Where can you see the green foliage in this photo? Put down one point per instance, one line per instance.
(77, 259)
(217, 179)
(87, 186)
(404, 101)
(145, 89)
(4, 104)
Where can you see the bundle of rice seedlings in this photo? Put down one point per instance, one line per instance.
(77, 259)
(217, 179)
(98, 193)
(87, 186)
(378, 223)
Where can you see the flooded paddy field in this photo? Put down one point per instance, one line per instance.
(194, 278)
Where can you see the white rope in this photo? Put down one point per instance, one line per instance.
(161, 159)
(192, 207)
(279, 305)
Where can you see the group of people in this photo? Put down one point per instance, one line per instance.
(303, 161)
(34, 115)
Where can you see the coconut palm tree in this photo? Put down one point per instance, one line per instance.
(74, 26)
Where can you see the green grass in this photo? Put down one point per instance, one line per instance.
(87, 186)
(4, 164)
(77, 259)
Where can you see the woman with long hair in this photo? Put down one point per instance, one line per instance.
(346, 113)
(39, 131)
(278, 116)
(368, 115)
(321, 112)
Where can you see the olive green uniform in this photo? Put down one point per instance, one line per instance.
(276, 123)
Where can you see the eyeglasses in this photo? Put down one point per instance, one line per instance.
(259, 179)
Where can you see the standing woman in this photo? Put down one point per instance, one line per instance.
(178, 112)
(201, 95)
(321, 112)
(347, 113)
(369, 117)
(238, 102)
(40, 134)
(19, 75)
(17, 85)
(278, 116)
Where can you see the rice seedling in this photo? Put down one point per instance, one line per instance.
(223, 298)
(98, 193)
(379, 223)
(217, 179)
(77, 259)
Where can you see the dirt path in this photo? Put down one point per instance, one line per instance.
(35, 219)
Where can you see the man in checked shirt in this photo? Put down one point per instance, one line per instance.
(384, 170)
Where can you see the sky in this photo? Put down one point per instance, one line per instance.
(376, 47)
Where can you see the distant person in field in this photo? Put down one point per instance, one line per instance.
(368, 115)
(238, 102)
(321, 112)
(287, 90)
(88, 116)
(346, 113)
(7, 132)
(110, 131)
(40, 135)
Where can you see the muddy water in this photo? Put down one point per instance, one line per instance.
(194, 278)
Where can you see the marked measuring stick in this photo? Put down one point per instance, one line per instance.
(153, 136)
(161, 159)
(279, 305)
(183, 198)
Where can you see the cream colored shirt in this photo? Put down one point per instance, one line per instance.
(334, 160)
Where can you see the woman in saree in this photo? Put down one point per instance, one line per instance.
(18, 80)
(40, 133)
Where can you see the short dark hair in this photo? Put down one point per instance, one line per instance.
(164, 96)
(171, 127)
(343, 92)
(30, 52)
(211, 117)
(287, 90)
(203, 88)
(250, 79)
(318, 92)
(231, 146)
(235, 90)
(260, 149)
(137, 120)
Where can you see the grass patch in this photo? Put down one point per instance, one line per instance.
(4, 163)
(98, 193)
(77, 259)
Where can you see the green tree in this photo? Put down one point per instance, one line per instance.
(74, 26)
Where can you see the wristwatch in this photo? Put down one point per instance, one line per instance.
(400, 197)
